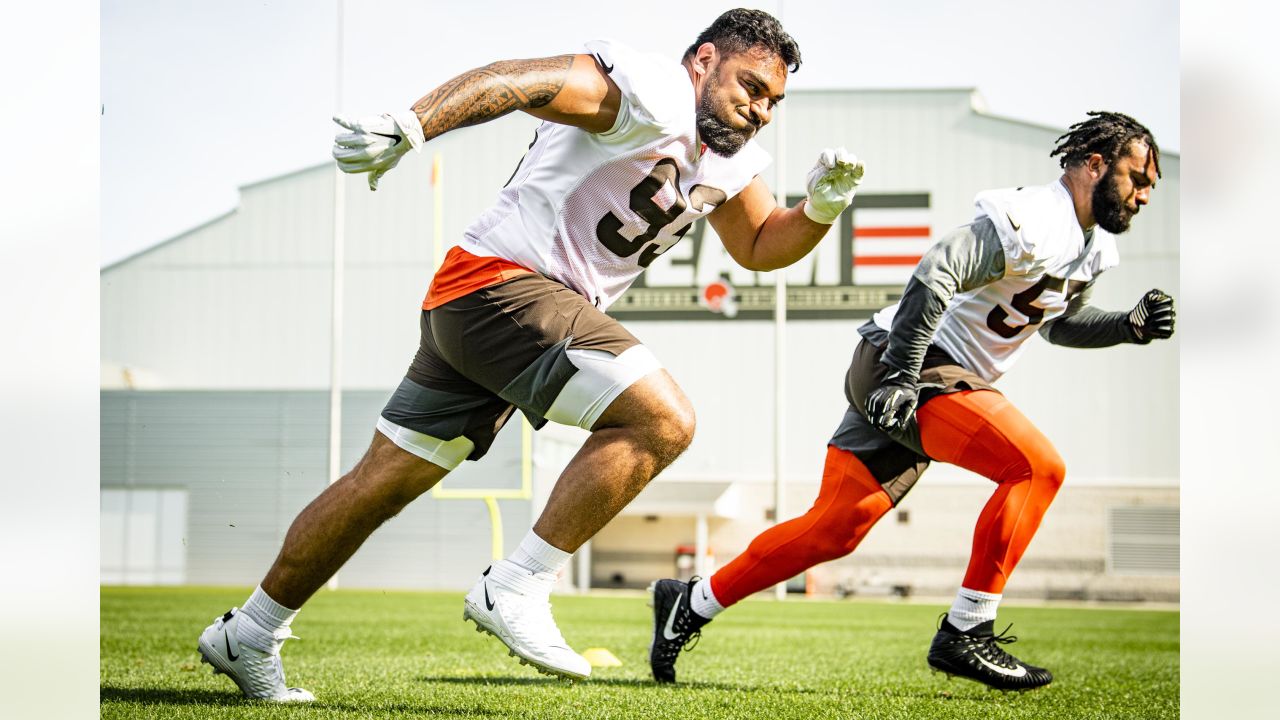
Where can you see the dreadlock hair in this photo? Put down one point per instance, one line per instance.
(739, 30)
(1105, 133)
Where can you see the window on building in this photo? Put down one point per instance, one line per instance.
(144, 535)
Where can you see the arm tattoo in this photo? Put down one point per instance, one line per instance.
(492, 91)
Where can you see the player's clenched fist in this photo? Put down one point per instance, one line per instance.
(831, 185)
(889, 406)
(1153, 317)
(376, 143)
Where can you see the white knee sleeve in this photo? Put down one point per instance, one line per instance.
(448, 454)
(601, 378)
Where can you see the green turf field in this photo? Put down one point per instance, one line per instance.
(398, 654)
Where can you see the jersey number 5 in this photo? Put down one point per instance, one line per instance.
(608, 230)
(1023, 303)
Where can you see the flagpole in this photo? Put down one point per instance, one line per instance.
(779, 333)
(338, 290)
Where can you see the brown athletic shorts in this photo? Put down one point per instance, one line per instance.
(496, 349)
(896, 459)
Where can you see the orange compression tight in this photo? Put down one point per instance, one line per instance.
(849, 503)
(982, 431)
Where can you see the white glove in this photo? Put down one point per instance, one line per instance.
(376, 143)
(831, 185)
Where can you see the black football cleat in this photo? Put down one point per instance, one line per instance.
(675, 626)
(975, 654)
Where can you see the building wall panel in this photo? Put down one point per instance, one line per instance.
(250, 461)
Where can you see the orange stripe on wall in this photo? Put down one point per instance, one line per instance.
(887, 260)
(917, 231)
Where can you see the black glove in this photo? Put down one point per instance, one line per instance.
(1152, 318)
(889, 406)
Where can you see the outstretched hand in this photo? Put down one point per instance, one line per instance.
(374, 144)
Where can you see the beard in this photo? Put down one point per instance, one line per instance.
(1109, 208)
(721, 138)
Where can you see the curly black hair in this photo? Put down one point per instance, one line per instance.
(1105, 133)
(741, 29)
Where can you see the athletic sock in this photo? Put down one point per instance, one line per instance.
(537, 555)
(971, 608)
(267, 616)
(703, 600)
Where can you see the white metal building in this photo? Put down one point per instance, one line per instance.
(215, 369)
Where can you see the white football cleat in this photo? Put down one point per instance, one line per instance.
(513, 604)
(258, 674)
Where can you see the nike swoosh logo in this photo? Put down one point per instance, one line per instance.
(1015, 225)
(487, 602)
(1020, 671)
(230, 655)
(395, 139)
(970, 599)
(668, 632)
(704, 593)
(608, 69)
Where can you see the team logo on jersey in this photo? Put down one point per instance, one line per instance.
(859, 267)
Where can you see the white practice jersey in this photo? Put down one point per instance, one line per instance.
(593, 210)
(1048, 261)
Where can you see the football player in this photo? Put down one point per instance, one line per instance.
(920, 388)
(633, 148)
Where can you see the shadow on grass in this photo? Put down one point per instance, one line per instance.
(962, 691)
(610, 682)
(158, 696)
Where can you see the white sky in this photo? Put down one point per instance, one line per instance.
(200, 98)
